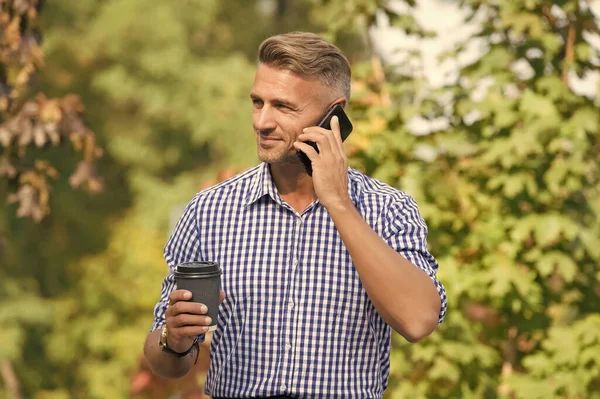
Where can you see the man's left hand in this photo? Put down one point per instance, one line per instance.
(330, 164)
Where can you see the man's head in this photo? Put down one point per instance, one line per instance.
(300, 75)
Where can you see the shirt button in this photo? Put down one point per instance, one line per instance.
(291, 304)
(288, 346)
(283, 387)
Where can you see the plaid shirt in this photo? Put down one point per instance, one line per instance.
(296, 320)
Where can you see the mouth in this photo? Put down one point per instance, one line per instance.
(268, 140)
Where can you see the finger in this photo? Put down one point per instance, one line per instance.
(179, 295)
(315, 129)
(335, 128)
(222, 296)
(187, 307)
(333, 136)
(308, 150)
(189, 331)
(317, 137)
(186, 319)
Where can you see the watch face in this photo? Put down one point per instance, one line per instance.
(162, 342)
(163, 337)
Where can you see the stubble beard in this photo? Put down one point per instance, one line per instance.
(277, 156)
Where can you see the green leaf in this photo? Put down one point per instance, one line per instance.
(563, 263)
(553, 87)
(444, 369)
(540, 110)
(513, 186)
(583, 51)
(11, 340)
(591, 241)
(547, 230)
(505, 118)
(586, 119)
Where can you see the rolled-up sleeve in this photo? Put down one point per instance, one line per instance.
(406, 232)
(182, 246)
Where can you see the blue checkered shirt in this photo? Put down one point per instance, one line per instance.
(296, 320)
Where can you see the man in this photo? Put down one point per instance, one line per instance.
(316, 270)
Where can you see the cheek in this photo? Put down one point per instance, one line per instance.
(292, 128)
(255, 117)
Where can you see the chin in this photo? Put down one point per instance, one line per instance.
(268, 157)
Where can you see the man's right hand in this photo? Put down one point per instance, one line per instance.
(185, 320)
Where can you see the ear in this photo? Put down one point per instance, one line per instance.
(342, 101)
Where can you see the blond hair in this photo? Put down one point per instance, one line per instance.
(307, 54)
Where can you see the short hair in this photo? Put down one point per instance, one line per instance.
(308, 54)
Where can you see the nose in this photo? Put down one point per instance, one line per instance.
(264, 119)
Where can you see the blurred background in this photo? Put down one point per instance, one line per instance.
(113, 113)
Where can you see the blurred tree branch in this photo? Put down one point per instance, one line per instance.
(28, 120)
(11, 383)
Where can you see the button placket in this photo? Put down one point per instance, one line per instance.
(287, 370)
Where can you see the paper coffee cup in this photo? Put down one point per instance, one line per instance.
(203, 280)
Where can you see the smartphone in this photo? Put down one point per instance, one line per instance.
(345, 130)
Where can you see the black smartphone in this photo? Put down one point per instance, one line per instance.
(345, 130)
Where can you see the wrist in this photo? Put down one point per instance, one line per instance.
(178, 346)
(174, 347)
(339, 207)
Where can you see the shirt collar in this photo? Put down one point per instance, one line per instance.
(262, 184)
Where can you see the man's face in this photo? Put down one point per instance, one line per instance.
(283, 105)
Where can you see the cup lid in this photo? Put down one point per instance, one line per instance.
(198, 267)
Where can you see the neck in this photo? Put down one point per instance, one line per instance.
(293, 183)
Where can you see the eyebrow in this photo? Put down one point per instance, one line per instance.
(276, 101)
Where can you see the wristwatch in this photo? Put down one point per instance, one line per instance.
(162, 342)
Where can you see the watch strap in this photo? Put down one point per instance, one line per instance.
(165, 348)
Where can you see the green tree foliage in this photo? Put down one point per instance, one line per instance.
(510, 192)
(29, 122)
(166, 86)
(509, 187)
(31, 126)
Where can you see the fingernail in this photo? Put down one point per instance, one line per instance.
(204, 328)
(187, 295)
(203, 309)
(305, 129)
(208, 320)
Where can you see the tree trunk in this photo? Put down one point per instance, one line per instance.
(11, 383)
(3, 218)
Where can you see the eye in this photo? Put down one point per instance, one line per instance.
(283, 106)
(257, 103)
